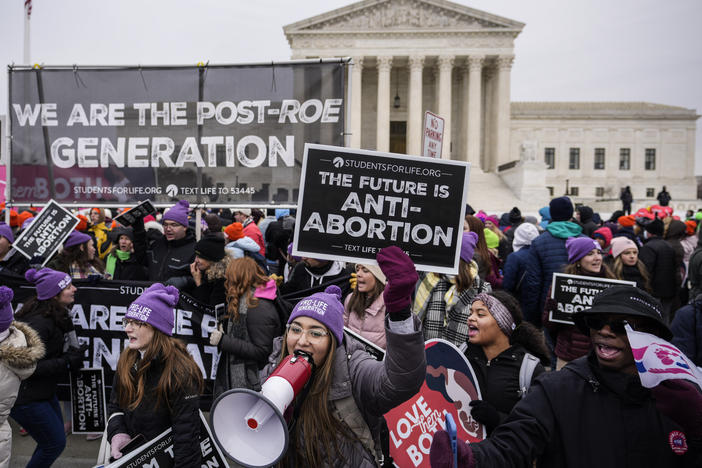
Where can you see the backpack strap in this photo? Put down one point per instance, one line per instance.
(526, 372)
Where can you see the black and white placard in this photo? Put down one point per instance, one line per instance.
(353, 203)
(47, 232)
(574, 293)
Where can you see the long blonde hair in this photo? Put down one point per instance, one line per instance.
(618, 269)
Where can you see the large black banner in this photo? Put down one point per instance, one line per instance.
(216, 134)
(355, 202)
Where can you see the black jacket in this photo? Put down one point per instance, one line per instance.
(17, 264)
(53, 367)
(150, 419)
(164, 259)
(303, 278)
(499, 379)
(659, 258)
(584, 416)
(129, 269)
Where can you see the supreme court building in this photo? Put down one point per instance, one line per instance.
(410, 56)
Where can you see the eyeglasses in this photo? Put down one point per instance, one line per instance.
(132, 322)
(170, 225)
(313, 335)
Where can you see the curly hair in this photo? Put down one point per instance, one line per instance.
(242, 277)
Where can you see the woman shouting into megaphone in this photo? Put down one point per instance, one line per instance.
(334, 421)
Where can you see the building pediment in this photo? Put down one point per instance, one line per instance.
(403, 15)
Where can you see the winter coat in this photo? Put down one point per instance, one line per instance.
(499, 378)
(19, 353)
(102, 238)
(687, 330)
(548, 255)
(151, 419)
(51, 368)
(376, 386)
(164, 259)
(304, 277)
(694, 270)
(584, 416)
(211, 290)
(515, 273)
(251, 230)
(589, 226)
(239, 247)
(659, 258)
(372, 325)
(14, 263)
(244, 355)
(129, 269)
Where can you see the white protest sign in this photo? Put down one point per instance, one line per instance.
(433, 135)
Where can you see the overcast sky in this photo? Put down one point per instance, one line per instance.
(593, 50)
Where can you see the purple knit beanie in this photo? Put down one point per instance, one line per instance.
(325, 307)
(76, 238)
(6, 296)
(27, 222)
(468, 243)
(155, 307)
(6, 231)
(578, 247)
(48, 282)
(178, 213)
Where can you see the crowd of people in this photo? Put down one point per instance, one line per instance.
(579, 403)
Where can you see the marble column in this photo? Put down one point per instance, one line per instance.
(415, 113)
(383, 124)
(356, 100)
(502, 129)
(472, 73)
(445, 63)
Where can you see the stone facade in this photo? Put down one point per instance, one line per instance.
(410, 56)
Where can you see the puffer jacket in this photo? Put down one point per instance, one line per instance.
(376, 386)
(514, 276)
(19, 353)
(239, 247)
(547, 255)
(51, 368)
(372, 325)
(151, 419)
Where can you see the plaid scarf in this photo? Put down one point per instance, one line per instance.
(421, 298)
(458, 310)
(78, 273)
(434, 315)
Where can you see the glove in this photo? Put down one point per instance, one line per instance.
(216, 335)
(485, 413)
(401, 279)
(118, 441)
(682, 402)
(74, 358)
(441, 455)
(353, 280)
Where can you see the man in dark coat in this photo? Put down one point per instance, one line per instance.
(168, 257)
(595, 412)
(687, 330)
(694, 271)
(585, 218)
(548, 255)
(659, 258)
